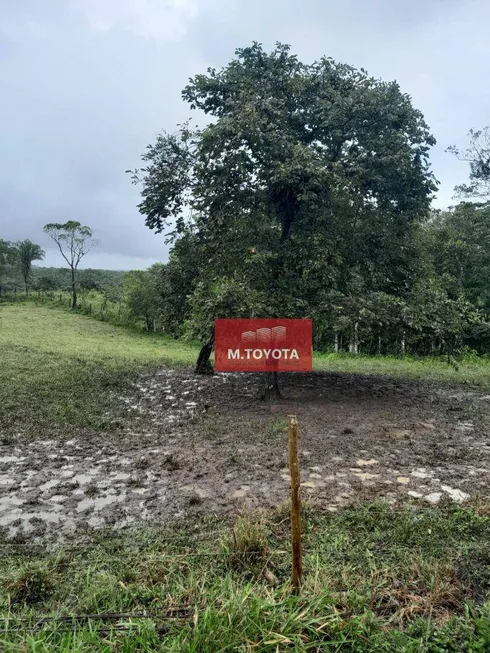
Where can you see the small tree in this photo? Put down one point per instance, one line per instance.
(74, 241)
(8, 253)
(88, 280)
(27, 252)
(141, 296)
(46, 283)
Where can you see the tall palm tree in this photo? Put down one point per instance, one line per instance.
(27, 253)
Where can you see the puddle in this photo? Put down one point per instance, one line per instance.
(97, 503)
(456, 495)
(11, 459)
(49, 484)
(82, 479)
(7, 503)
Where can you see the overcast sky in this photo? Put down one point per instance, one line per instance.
(86, 85)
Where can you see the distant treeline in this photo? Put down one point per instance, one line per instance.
(59, 279)
(445, 310)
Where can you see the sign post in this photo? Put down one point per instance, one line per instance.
(271, 346)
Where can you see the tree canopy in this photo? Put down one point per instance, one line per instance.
(27, 252)
(306, 179)
(74, 241)
(478, 156)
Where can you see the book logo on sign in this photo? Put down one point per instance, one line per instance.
(262, 338)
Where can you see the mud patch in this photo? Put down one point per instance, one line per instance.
(208, 445)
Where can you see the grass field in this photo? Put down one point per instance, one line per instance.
(374, 581)
(57, 367)
(471, 372)
(376, 578)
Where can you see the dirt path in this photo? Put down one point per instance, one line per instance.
(207, 445)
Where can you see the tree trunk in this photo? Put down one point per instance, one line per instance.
(354, 343)
(403, 343)
(270, 386)
(336, 342)
(73, 290)
(460, 341)
(203, 364)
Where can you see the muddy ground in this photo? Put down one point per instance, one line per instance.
(207, 445)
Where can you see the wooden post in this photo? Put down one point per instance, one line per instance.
(297, 566)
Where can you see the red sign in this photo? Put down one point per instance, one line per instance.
(265, 345)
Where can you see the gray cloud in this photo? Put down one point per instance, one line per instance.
(88, 83)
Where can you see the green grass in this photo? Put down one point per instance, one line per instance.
(58, 368)
(374, 580)
(50, 330)
(471, 372)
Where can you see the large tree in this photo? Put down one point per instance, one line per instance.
(74, 241)
(301, 168)
(27, 252)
